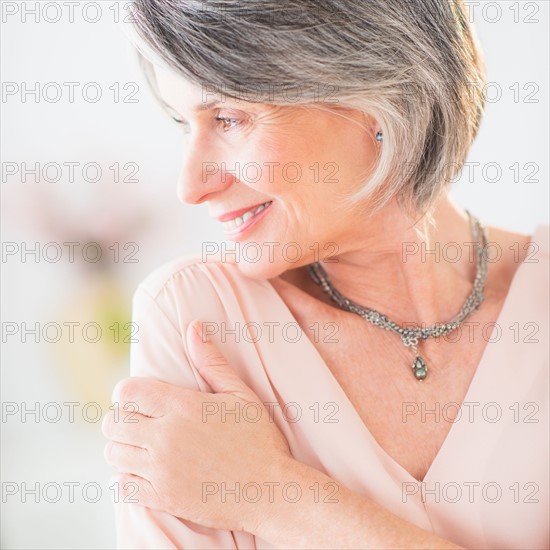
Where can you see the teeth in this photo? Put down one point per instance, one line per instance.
(238, 221)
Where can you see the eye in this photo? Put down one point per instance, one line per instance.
(184, 123)
(228, 123)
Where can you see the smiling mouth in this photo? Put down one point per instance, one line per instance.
(245, 219)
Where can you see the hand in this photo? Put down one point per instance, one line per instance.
(180, 454)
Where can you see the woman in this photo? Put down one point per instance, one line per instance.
(367, 372)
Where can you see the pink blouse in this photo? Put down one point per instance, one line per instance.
(488, 486)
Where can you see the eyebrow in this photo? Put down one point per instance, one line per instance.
(206, 106)
(199, 108)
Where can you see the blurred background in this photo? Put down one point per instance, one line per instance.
(89, 167)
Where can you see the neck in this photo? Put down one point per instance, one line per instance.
(418, 273)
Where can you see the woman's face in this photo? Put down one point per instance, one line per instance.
(274, 176)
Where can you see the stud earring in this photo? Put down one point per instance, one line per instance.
(379, 136)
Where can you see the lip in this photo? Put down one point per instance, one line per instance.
(239, 231)
(236, 213)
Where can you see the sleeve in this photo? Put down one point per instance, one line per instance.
(159, 352)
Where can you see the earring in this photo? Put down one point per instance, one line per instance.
(379, 136)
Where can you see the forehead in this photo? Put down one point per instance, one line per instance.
(182, 94)
(186, 97)
(176, 90)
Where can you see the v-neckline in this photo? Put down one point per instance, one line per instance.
(471, 387)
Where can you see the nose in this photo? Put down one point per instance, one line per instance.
(200, 175)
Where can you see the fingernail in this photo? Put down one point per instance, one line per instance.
(197, 327)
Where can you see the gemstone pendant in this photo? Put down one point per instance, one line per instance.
(420, 370)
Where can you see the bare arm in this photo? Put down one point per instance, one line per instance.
(353, 521)
(174, 511)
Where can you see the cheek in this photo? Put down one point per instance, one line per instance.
(271, 168)
(281, 161)
(326, 159)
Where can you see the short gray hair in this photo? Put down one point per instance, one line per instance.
(413, 65)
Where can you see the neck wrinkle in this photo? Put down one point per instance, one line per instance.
(405, 277)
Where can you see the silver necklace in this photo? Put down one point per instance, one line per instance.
(412, 336)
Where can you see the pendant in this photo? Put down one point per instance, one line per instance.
(420, 370)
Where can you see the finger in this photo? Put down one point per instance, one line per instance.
(213, 366)
(147, 396)
(127, 458)
(134, 489)
(129, 428)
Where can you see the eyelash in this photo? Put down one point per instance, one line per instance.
(217, 118)
(179, 121)
(227, 119)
